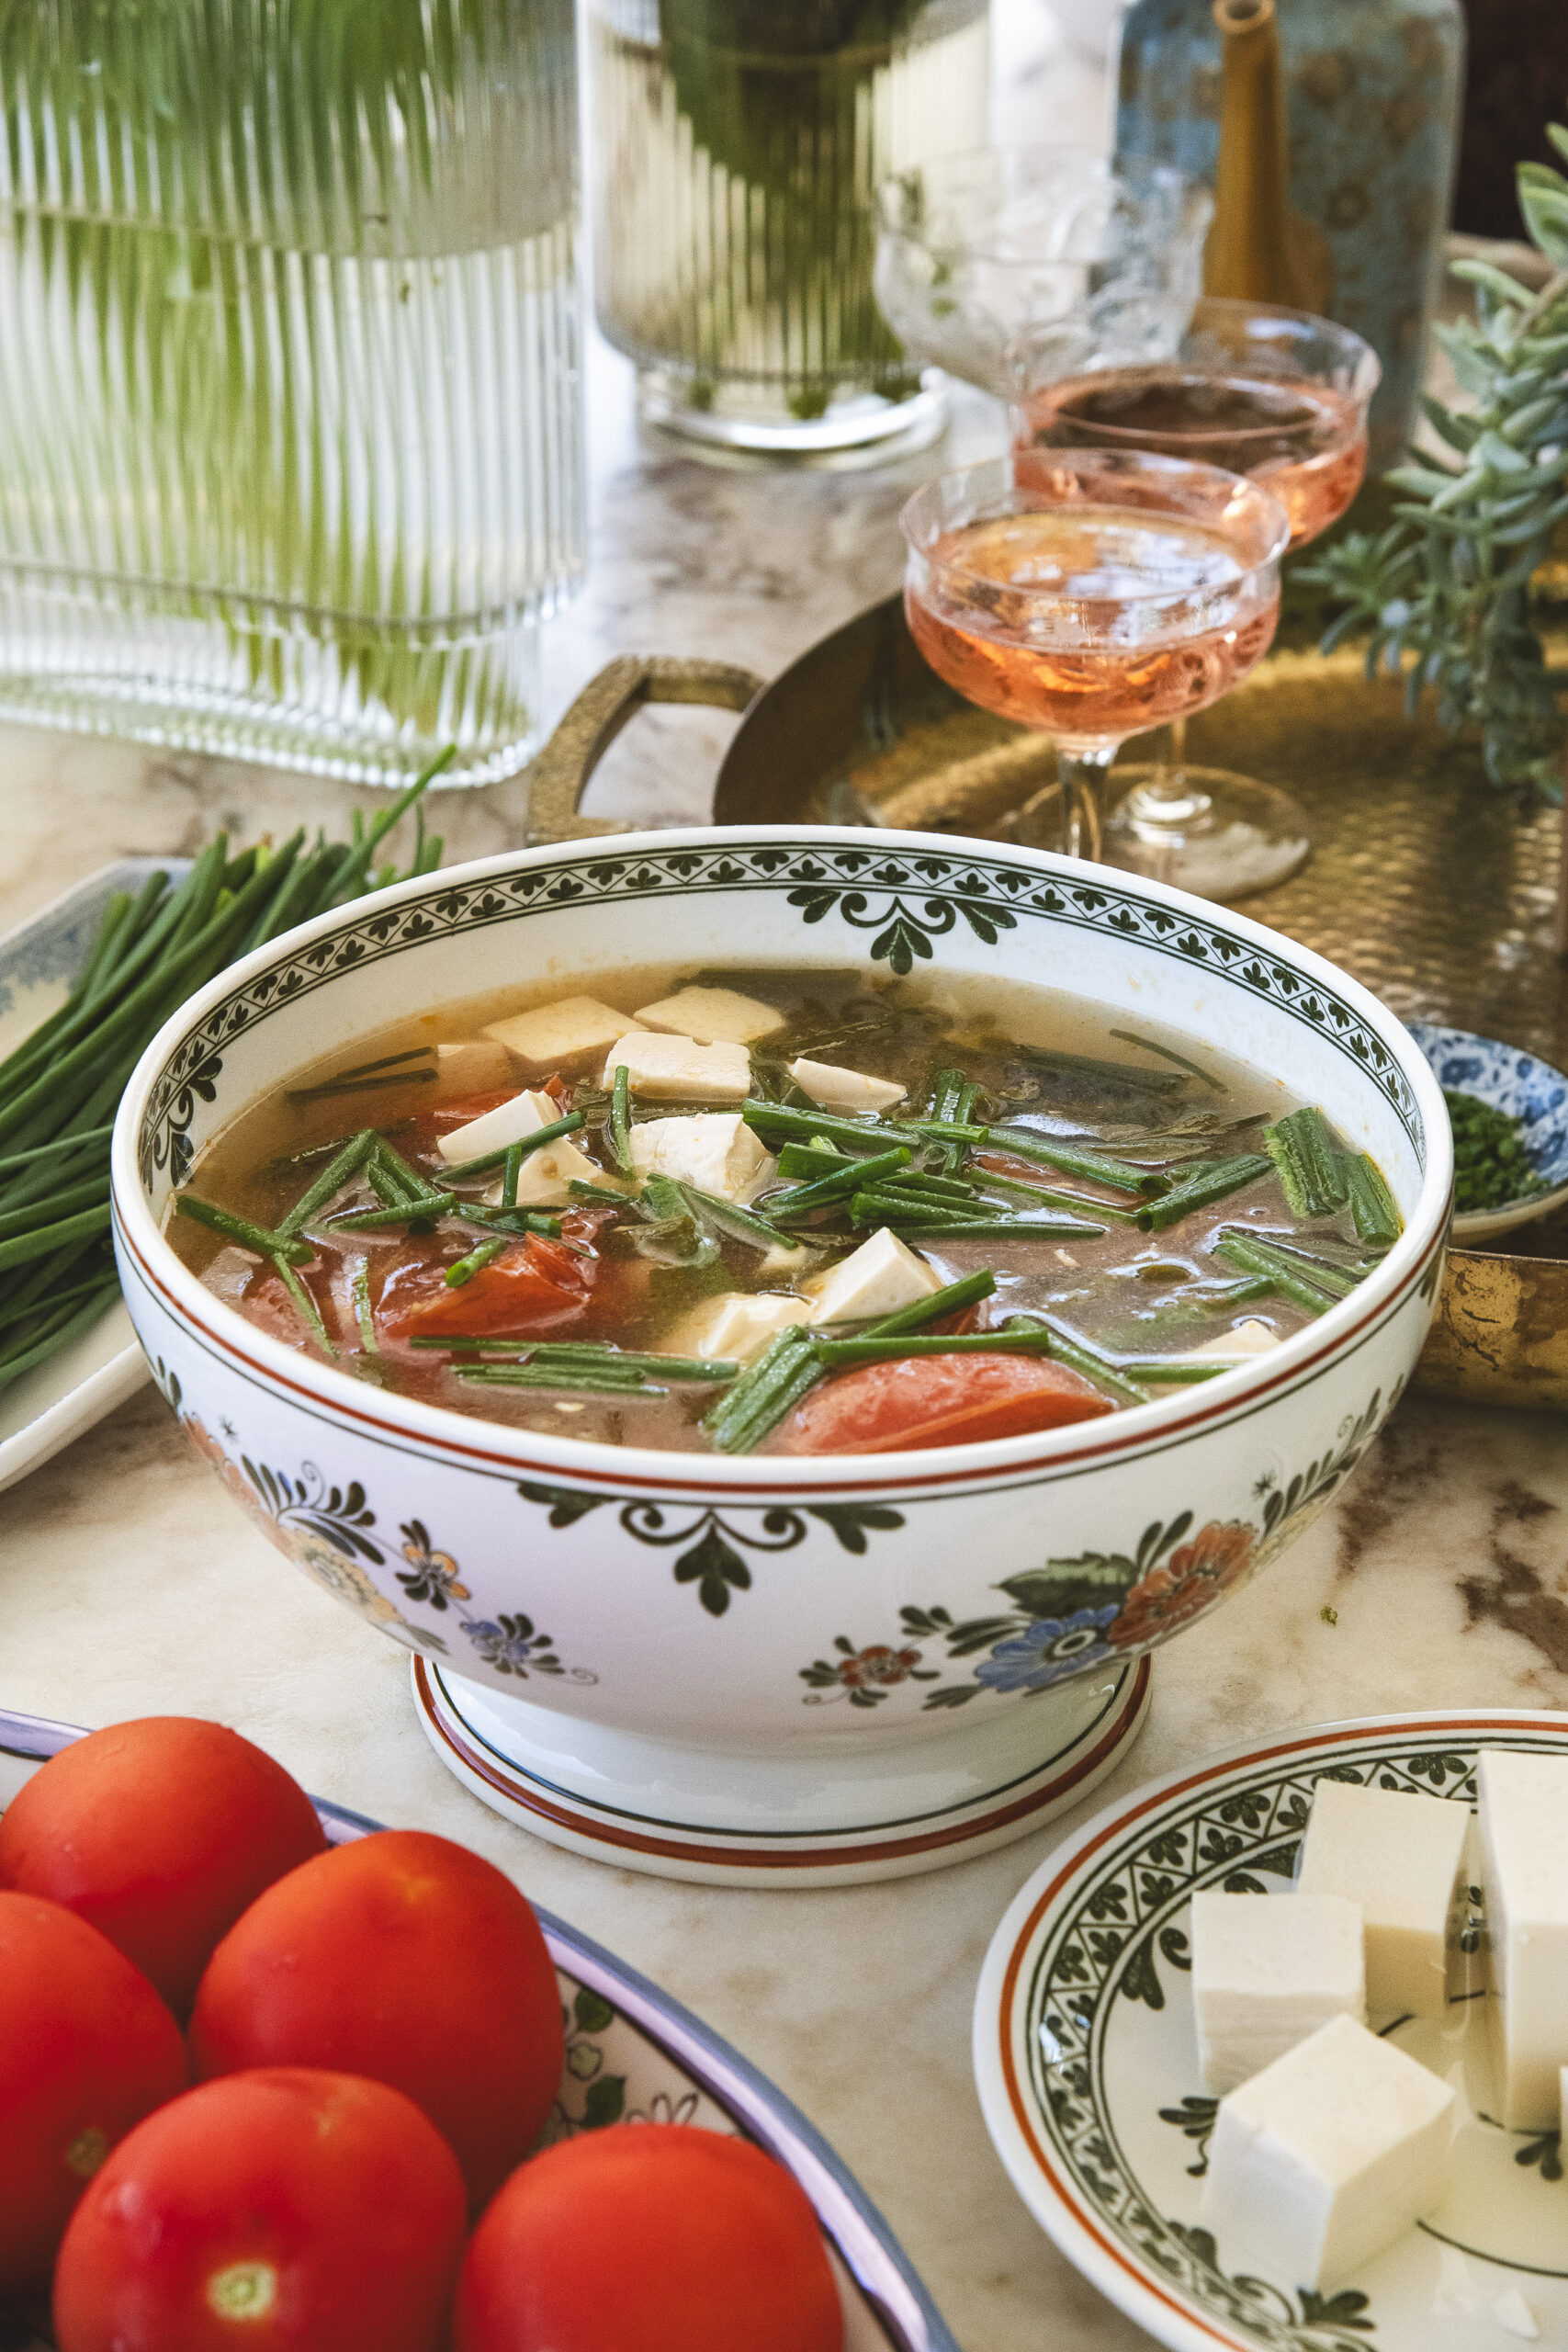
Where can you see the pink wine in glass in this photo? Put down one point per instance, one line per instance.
(1091, 623)
(1307, 441)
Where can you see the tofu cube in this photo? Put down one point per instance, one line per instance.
(1325, 2157)
(880, 1277)
(545, 1177)
(713, 1016)
(716, 1150)
(508, 1122)
(472, 1065)
(1268, 1972)
(1238, 1345)
(737, 1326)
(677, 1069)
(846, 1090)
(1524, 1844)
(567, 1036)
(1398, 1857)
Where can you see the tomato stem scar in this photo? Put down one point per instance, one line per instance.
(245, 2290)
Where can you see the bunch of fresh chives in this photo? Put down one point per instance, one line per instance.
(59, 1088)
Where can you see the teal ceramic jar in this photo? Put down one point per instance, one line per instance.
(1373, 93)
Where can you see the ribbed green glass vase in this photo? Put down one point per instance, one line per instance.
(291, 407)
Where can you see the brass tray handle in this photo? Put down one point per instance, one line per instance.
(559, 777)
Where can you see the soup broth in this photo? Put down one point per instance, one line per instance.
(817, 1213)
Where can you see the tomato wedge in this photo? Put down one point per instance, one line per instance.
(920, 1401)
(534, 1285)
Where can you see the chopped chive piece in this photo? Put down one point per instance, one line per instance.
(1241, 1250)
(1372, 1203)
(1148, 1045)
(1121, 1174)
(936, 1187)
(1310, 1162)
(744, 1225)
(836, 1353)
(359, 1290)
(335, 1174)
(259, 1237)
(869, 1134)
(397, 1170)
(510, 1181)
(1068, 1347)
(1211, 1298)
(387, 1062)
(336, 1086)
(517, 1221)
(936, 1225)
(581, 1190)
(620, 1120)
(1169, 1369)
(589, 1383)
(810, 1162)
(847, 1177)
(1054, 1196)
(475, 1263)
(941, 1130)
(1325, 1274)
(424, 1209)
(888, 1208)
(771, 1387)
(1201, 1187)
(490, 1161)
(968, 1291)
(310, 1312)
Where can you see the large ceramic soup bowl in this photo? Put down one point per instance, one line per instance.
(781, 1670)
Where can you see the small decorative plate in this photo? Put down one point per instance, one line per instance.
(39, 963)
(633, 2055)
(1086, 2059)
(1523, 1088)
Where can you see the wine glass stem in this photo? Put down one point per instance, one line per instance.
(1083, 776)
(1169, 799)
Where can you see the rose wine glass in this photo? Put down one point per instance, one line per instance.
(1109, 592)
(1272, 394)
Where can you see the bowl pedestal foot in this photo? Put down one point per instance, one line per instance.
(839, 1817)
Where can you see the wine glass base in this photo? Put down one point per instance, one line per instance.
(1203, 830)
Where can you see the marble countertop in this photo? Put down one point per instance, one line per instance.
(125, 1589)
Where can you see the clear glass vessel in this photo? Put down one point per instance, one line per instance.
(736, 146)
(1275, 394)
(1107, 592)
(291, 460)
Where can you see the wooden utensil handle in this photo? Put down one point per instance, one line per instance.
(559, 777)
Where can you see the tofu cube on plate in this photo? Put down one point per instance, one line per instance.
(1325, 2157)
(712, 1016)
(568, 1036)
(1265, 1973)
(677, 1069)
(1398, 1857)
(1524, 1844)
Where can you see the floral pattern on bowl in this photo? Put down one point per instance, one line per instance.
(1523, 1088)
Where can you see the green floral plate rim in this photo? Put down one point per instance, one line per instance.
(1085, 2062)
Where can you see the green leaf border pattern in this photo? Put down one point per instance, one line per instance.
(908, 901)
(1117, 1940)
(715, 1539)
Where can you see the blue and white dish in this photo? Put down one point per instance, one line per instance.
(634, 2055)
(48, 1406)
(1522, 1087)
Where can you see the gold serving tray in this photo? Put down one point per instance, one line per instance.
(1426, 884)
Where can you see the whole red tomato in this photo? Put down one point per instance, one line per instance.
(668, 2240)
(408, 1959)
(281, 2211)
(160, 1832)
(87, 2050)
